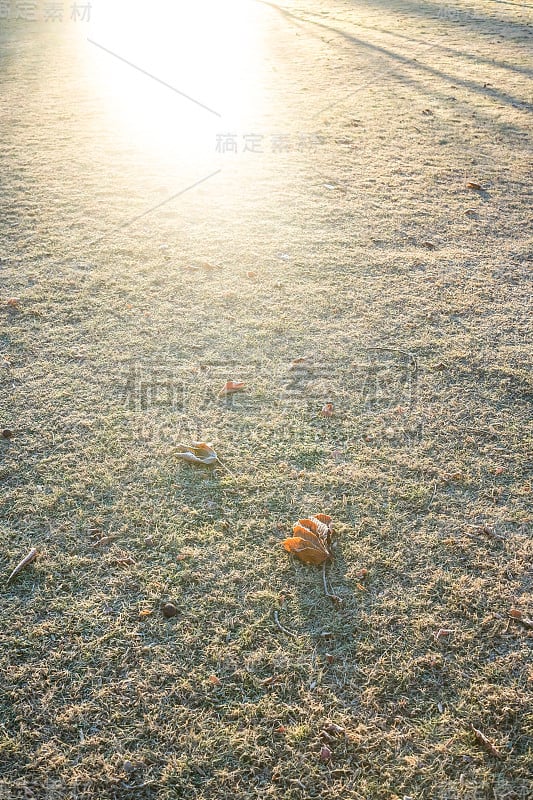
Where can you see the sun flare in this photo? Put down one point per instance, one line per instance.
(176, 75)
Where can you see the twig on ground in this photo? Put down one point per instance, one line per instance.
(220, 464)
(487, 531)
(32, 555)
(283, 628)
(407, 353)
(336, 599)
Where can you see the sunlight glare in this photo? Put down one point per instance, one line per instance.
(208, 50)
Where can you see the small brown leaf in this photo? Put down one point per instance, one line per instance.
(7, 433)
(517, 615)
(13, 302)
(304, 362)
(473, 185)
(214, 680)
(230, 387)
(325, 754)
(251, 273)
(328, 410)
(145, 612)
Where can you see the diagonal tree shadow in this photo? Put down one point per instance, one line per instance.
(402, 60)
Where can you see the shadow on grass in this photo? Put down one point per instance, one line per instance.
(319, 604)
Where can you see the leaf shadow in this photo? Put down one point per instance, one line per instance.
(328, 617)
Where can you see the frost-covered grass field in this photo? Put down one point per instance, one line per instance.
(342, 232)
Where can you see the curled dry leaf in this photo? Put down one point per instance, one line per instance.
(32, 555)
(311, 542)
(473, 185)
(214, 680)
(197, 453)
(328, 410)
(230, 387)
(13, 302)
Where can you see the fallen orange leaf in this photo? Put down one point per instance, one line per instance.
(214, 680)
(327, 410)
(230, 387)
(197, 453)
(311, 542)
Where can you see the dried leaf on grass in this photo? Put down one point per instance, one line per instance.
(311, 542)
(200, 454)
(32, 555)
(443, 632)
(197, 453)
(487, 744)
(517, 615)
(230, 387)
(325, 754)
(302, 363)
(328, 410)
